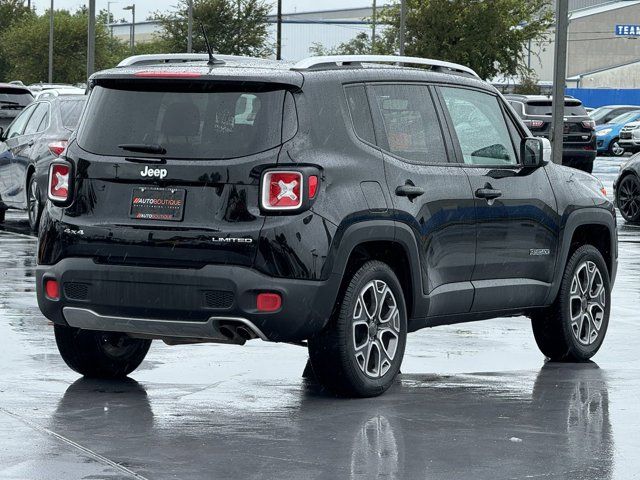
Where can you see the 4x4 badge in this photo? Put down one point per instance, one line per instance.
(154, 172)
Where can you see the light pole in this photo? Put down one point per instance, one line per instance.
(109, 18)
(190, 27)
(91, 39)
(559, 79)
(51, 43)
(279, 32)
(132, 7)
(403, 24)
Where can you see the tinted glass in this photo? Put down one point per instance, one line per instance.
(199, 120)
(14, 96)
(410, 124)
(40, 117)
(624, 118)
(17, 127)
(599, 113)
(360, 112)
(571, 108)
(70, 112)
(480, 127)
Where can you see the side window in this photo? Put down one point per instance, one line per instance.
(17, 127)
(360, 112)
(480, 127)
(410, 126)
(40, 116)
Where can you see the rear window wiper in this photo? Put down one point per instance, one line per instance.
(144, 148)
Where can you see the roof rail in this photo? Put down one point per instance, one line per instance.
(331, 61)
(161, 58)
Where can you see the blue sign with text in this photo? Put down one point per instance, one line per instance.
(628, 30)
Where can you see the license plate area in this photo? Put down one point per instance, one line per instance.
(151, 203)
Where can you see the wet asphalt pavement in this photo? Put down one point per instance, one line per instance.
(475, 401)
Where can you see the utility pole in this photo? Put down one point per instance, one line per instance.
(109, 26)
(403, 24)
(559, 78)
(132, 40)
(50, 42)
(279, 32)
(374, 18)
(190, 27)
(91, 39)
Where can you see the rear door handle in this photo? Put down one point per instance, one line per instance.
(409, 191)
(31, 143)
(488, 193)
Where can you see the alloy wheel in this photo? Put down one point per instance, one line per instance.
(629, 197)
(616, 149)
(376, 329)
(587, 303)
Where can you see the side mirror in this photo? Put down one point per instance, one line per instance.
(532, 152)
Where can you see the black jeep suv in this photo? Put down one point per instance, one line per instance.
(337, 203)
(579, 143)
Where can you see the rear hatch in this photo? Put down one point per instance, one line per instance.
(578, 126)
(174, 165)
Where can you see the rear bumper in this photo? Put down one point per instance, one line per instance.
(182, 303)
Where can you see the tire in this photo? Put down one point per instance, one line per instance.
(615, 150)
(343, 355)
(100, 354)
(628, 198)
(34, 203)
(557, 336)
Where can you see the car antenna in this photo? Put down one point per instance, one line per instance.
(212, 60)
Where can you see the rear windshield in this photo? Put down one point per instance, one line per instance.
(571, 108)
(70, 111)
(14, 97)
(187, 120)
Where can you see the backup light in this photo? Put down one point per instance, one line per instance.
(59, 180)
(282, 190)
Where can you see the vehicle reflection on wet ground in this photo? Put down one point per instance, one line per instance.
(475, 401)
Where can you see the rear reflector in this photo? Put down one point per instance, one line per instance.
(268, 302)
(313, 186)
(282, 190)
(58, 148)
(59, 178)
(52, 289)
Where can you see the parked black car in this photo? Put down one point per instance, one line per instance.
(13, 99)
(627, 190)
(579, 143)
(36, 137)
(358, 202)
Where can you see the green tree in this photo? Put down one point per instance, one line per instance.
(11, 12)
(486, 35)
(234, 27)
(360, 45)
(25, 48)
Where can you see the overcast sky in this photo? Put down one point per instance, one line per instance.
(145, 7)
